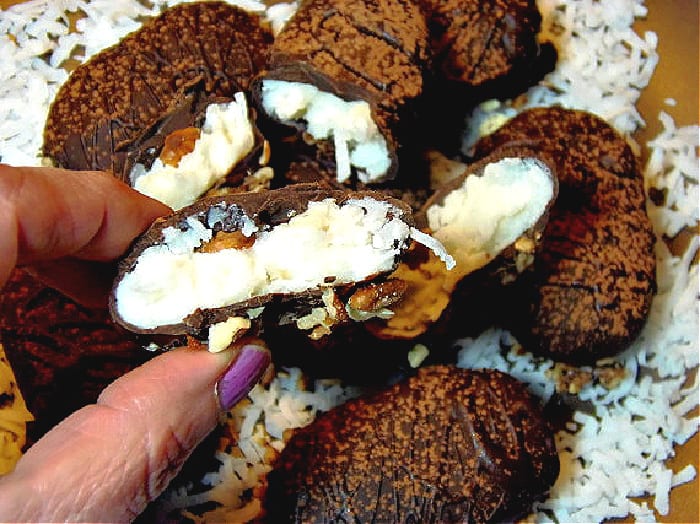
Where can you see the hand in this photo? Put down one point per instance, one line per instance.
(108, 460)
(60, 223)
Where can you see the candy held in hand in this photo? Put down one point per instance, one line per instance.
(317, 256)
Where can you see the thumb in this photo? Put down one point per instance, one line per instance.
(108, 460)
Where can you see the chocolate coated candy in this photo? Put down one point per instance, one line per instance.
(110, 103)
(591, 290)
(448, 445)
(479, 41)
(200, 246)
(373, 51)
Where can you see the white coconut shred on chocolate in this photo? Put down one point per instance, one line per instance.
(633, 428)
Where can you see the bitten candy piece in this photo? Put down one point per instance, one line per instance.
(448, 445)
(315, 256)
(344, 73)
(490, 219)
(165, 109)
(496, 208)
(592, 285)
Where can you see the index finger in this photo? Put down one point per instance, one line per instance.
(50, 213)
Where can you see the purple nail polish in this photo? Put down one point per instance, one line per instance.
(241, 375)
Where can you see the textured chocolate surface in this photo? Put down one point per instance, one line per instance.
(448, 445)
(266, 209)
(375, 51)
(591, 290)
(112, 102)
(62, 354)
(479, 41)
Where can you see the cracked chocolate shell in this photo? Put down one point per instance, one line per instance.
(166, 108)
(448, 445)
(592, 285)
(308, 253)
(343, 74)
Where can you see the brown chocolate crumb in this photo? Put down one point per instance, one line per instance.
(569, 379)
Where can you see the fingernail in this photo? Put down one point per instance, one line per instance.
(241, 375)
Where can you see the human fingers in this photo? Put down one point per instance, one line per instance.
(108, 460)
(50, 213)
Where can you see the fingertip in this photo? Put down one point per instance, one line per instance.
(85, 214)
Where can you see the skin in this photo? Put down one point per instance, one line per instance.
(108, 460)
(63, 223)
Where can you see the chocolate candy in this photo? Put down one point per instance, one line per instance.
(447, 445)
(479, 41)
(482, 50)
(490, 219)
(344, 74)
(120, 106)
(312, 255)
(62, 354)
(591, 290)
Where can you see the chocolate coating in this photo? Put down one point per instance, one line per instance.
(447, 445)
(120, 97)
(479, 41)
(591, 290)
(375, 51)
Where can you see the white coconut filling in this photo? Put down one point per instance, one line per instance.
(326, 244)
(225, 139)
(356, 138)
(487, 213)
